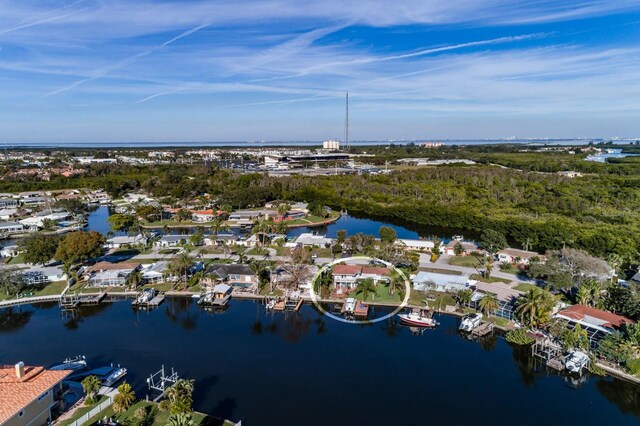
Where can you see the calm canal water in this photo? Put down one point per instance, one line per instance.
(305, 369)
(97, 221)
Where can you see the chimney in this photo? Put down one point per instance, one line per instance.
(20, 370)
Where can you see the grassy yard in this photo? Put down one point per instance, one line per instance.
(282, 251)
(479, 277)
(15, 260)
(524, 286)
(157, 417)
(258, 251)
(81, 411)
(160, 287)
(381, 296)
(53, 288)
(169, 251)
(466, 261)
(439, 271)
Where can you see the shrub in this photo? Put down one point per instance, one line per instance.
(633, 365)
(519, 337)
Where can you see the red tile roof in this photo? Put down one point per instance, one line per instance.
(579, 312)
(16, 394)
(346, 269)
(372, 270)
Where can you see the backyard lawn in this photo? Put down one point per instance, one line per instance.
(467, 261)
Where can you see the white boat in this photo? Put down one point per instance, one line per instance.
(115, 376)
(271, 304)
(457, 238)
(146, 295)
(418, 318)
(471, 321)
(576, 361)
(349, 306)
(76, 363)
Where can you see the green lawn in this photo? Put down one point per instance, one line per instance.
(159, 418)
(18, 259)
(282, 251)
(53, 288)
(467, 261)
(169, 251)
(160, 287)
(382, 295)
(524, 286)
(439, 271)
(479, 277)
(258, 252)
(81, 411)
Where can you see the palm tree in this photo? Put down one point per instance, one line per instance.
(124, 398)
(463, 297)
(534, 308)
(91, 386)
(488, 304)
(180, 420)
(180, 396)
(589, 293)
(366, 287)
(218, 225)
(283, 208)
(135, 279)
(488, 267)
(181, 265)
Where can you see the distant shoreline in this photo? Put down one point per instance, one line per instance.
(290, 144)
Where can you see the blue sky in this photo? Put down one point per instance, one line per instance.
(159, 70)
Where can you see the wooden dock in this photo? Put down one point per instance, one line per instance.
(76, 300)
(153, 303)
(483, 329)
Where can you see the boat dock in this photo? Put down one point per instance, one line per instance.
(288, 304)
(75, 300)
(153, 303)
(551, 354)
(483, 329)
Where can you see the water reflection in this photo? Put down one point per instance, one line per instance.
(14, 318)
(178, 311)
(623, 394)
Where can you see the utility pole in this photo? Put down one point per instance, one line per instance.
(346, 123)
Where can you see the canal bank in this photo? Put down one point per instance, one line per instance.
(273, 369)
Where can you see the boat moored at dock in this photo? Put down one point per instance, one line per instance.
(76, 363)
(418, 318)
(355, 308)
(471, 321)
(576, 362)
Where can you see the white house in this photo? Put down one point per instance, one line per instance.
(347, 276)
(154, 273)
(467, 247)
(220, 239)
(125, 240)
(7, 203)
(38, 220)
(11, 227)
(520, 257)
(418, 245)
(171, 241)
(104, 274)
(424, 281)
(310, 240)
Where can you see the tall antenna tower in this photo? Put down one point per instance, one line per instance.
(346, 124)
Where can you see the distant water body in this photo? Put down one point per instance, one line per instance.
(258, 144)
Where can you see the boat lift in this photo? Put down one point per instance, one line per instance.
(159, 382)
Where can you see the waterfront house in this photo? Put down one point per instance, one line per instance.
(417, 245)
(11, 227)
(596, 322)
(125, 241)
(467, 248)
(8, 203)
(28, 395)
(220, 239)
(155, 273)
(201, 216)
(347, 276)
(38, 220)
(44, 275)
(308, 239)
(424, 281)
(520, 257)
(235, 275)
(168, 241)
(8, 213)
(506, 296)
(104, 274)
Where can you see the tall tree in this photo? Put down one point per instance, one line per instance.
(492, 241)
(39, 248)
(91, 386)
(387, 234)
(79, 246)
(534, 307)
(488, 304)
(180, 395)
(124, 398)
